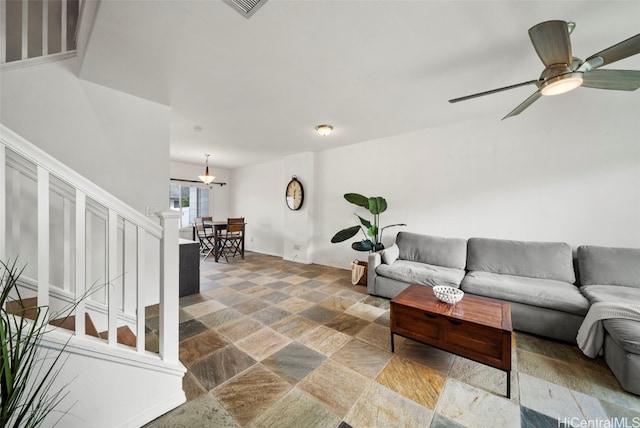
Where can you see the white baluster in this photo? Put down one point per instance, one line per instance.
(141, 283)
(3, 35)
(78, 22)
(25, 30)
(16, 213)
(88, 252)
(43, 237)
(66, 244)
(81, 277)
(169, 291)
(45, 27)
(112, 260)
(130, 268)
(63, 26)
(3, 199)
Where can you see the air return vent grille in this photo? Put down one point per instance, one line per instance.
(246, 8)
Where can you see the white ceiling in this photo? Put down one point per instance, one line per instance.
(258, 86)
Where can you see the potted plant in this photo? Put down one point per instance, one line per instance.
(371, 230)
(29, 369)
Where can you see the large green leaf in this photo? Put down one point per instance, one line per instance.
(366, 223)
(364, 245)
(357, 199)
(372, 231)
(345, 234)
(377, 205)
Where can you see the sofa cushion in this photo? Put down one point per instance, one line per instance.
(433, 250)
(546, 260)
(421, 273)
(390, 254)
(546, 293)
(611, 293)
(626, 333)
(609, 266)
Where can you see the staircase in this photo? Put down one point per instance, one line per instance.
(28, 308)
(84, 248)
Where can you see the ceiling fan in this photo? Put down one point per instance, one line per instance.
(563, 72)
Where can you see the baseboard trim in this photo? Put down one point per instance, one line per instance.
(28, 62)
(156, 411)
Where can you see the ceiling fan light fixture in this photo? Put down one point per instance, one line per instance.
(561, 84)
(324, 130)
(206, 178)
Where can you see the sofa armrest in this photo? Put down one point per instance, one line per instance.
(375, 260)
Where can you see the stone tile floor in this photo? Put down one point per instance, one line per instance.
(272, 343)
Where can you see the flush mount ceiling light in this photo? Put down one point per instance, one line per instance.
(324, 130)
(206, 178)
(561, 84)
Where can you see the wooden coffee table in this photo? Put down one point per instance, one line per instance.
(477, 328)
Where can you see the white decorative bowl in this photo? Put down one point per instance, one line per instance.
(447, 294)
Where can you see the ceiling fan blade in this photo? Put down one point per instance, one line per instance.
(526, 103)
(493, 91)
(621, 80)
(619, 51)
(551, 42)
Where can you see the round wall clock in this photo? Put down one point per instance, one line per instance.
(294, 194)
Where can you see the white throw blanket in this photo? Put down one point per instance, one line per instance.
(591, 333)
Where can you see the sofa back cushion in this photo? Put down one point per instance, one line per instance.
(609, 266)
(433, 250)
(546, 260)
(391, 254)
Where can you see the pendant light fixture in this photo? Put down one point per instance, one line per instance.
(206, 178)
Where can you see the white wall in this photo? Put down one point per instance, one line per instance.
(572, 178)
(118, 141)
(257, 194)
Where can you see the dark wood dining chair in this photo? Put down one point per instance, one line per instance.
(205, 235)
(232, 239)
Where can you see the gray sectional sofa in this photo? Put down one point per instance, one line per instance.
(538, 279)
(416, 259)
(613, 275)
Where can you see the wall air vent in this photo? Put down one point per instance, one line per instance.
(246, 8)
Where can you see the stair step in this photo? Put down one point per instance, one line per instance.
(29, 309)
(69, 323)
(124, 335)
(26, 308)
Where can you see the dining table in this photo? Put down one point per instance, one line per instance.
(218, 227)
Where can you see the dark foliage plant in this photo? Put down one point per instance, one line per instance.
(371, 229)
(28, 370)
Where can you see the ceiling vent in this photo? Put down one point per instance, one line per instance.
(246, 8)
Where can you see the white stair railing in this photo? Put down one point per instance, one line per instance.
(34, 29)
(126, 253)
